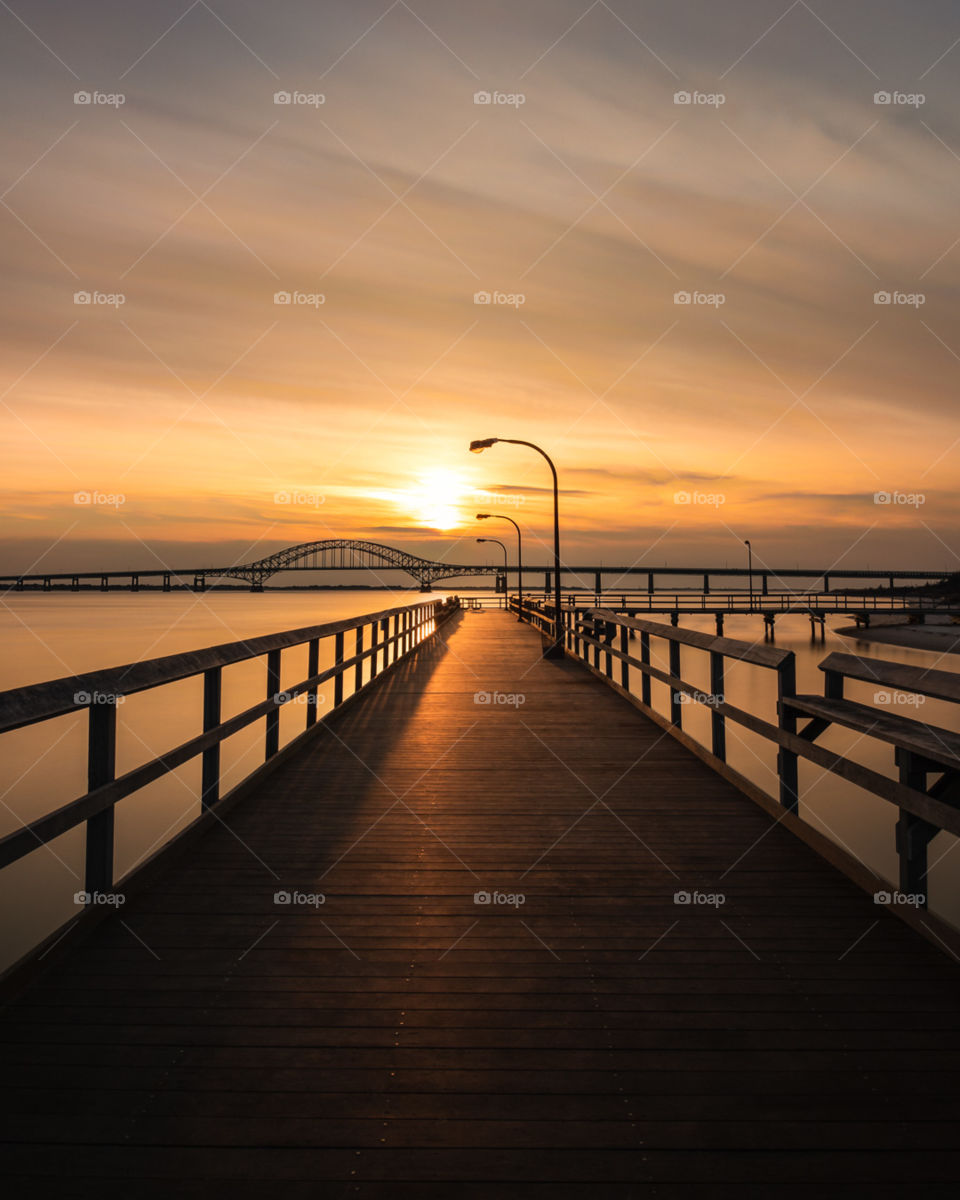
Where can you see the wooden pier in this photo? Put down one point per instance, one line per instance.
(557, 955)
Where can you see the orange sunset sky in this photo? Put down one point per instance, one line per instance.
(783, 198)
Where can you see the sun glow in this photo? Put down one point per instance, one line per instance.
(436, 500)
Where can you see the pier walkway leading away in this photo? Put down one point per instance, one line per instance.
(443, 950)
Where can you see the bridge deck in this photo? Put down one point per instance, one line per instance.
(401, 1037)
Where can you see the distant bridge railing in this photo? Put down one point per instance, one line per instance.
(601, 640)
(380, 641)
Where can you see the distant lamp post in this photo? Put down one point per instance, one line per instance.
(749, 569)
(556, 650)
(494, 542)
(501, 517)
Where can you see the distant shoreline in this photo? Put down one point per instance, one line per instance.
(943, 638)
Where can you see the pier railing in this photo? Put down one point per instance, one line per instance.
(381, 639)
(605, 641)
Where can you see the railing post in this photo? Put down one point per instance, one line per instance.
(718, 729)
(338, 662)
(313, 668)
(676, 705)
(608, 632)
(358, 671)
(101, 767)
(645, 659)
(374, 651)
(273, 716)
(912, 832)
(787, 720)
(624, 665)
(385, 639)
(210, 768)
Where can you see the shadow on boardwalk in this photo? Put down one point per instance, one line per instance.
(402, 1039)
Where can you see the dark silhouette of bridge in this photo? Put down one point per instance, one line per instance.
(351, 554)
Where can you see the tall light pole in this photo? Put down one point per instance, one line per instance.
(749, 569)
(501, 517)
(494, 542)
(556, 650)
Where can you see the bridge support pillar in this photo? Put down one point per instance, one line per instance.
(19, 585)
(764, 584)
(199, 583)
(104, 583)
(706, 585)
(815, 620)
(47, 583)
(768, 623)
(674, 619)
(166, 582)
(597, 585)
(425, 585)
(134, 583)
(650, 582)
(826, 583)
(719, 620)
(75, 584)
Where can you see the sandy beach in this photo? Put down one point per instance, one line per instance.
(942, 636)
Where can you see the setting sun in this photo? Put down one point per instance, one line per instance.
(436, 500)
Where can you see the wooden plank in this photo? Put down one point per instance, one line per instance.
(941, 745)
(939, 685)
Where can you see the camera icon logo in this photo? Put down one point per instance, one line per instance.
(481, 897)
(82, 297)
(281, 897)
(282, 98)
(882, 98)
(281, 297)
(482, 98)
(81, 898)
(882, 897)
(481, 697)
(682, 98)
(681, 497)
(682, 297)
(681, 897)
(481, 297)
(882, 497)
(882, 297)
(82, 98)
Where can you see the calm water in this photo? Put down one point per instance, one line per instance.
(46, 637)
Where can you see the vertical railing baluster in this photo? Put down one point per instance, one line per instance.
(718, 729)
(676, 705)
(358, 671)
(338, 663)
(101, 769)
(645, 658)
(313, 668)
(273, 715)
(210, 766)
(385, 638)
(624, 665)
(787, 720)
(374, 652)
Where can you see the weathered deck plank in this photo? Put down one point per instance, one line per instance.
(401, 1039)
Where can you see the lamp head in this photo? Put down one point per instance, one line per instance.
(481, 539)
(482, 444)
(483, 516)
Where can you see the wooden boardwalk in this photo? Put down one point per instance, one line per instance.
(402, 1040)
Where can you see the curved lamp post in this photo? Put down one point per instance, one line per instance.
(501, 517)
(494, 542)
(749, 569)
(556, 650)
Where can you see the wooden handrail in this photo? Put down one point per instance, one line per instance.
(938, 685)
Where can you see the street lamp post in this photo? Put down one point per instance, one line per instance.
(556, 650)
(749, 569)
(494, 542)
(501, 517)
